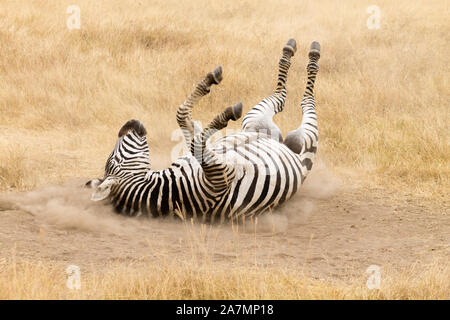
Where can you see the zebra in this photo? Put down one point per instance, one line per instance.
(240, 175)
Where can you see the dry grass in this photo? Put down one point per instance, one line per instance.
(382, 94)
(383, 110)
(191, 280)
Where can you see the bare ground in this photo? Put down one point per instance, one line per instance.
(326, 231)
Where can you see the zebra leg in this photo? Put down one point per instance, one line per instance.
(218, 173)
(305, 138)
(184, 112)
(221, 120)
(259, 118)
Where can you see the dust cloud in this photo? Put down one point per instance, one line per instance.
(69, 207)
(320, 184)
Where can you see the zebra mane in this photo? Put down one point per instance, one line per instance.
(134, 125)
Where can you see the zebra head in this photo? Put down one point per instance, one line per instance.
(129, 158)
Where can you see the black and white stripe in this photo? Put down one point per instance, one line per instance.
(242, 174)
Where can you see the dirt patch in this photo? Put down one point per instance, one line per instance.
(327, 231)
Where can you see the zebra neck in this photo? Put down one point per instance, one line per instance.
(152, 193)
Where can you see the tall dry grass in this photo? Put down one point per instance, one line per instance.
(383, 98)
(191, 280)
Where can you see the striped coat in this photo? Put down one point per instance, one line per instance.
(242, 174)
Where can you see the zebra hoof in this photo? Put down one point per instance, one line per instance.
(314, 51)
(215, 76)
(291, 47)
(233, 112)
(237, 111)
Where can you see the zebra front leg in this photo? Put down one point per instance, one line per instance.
(184, 112)
(217, 172)
(259, 118)
(304, 140)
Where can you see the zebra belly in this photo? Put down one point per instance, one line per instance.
(267, 174)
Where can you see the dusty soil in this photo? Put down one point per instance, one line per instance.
(327, 231)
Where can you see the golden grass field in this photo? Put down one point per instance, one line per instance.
(191, 281)
(382, 103)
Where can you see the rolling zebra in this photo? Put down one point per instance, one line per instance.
(240, 175)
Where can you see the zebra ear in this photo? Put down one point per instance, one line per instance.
(102, 191)
(94, 183)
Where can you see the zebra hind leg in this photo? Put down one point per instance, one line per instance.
(306, 136)
(184, 112)
(259, 118)
(220, 121)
